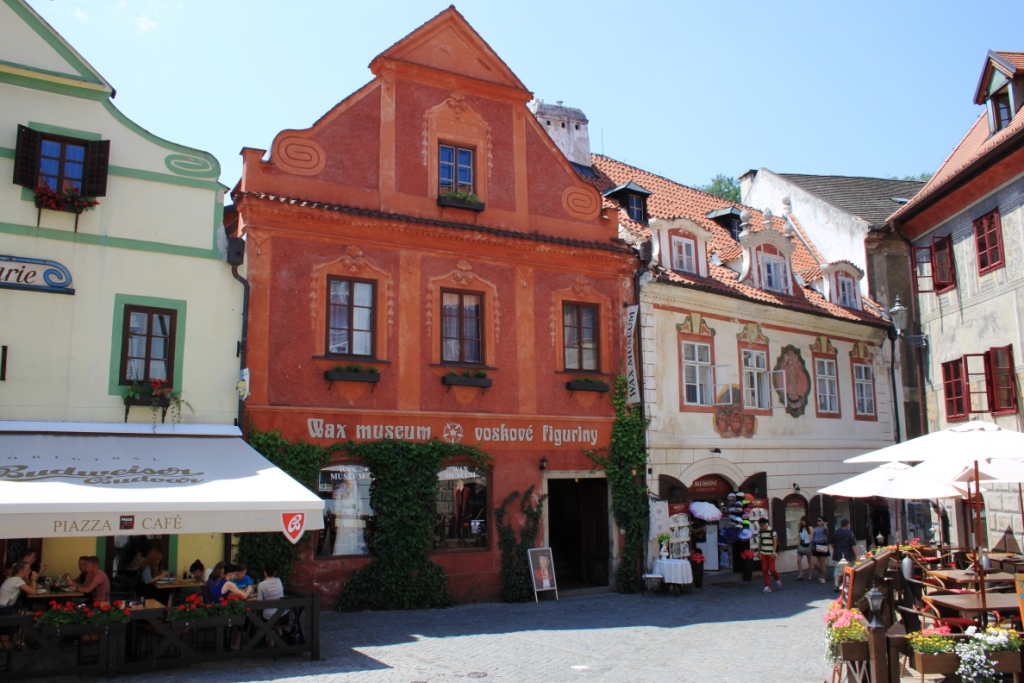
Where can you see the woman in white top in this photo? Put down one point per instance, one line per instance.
(803, 551)
(20, 582)
(270, 588)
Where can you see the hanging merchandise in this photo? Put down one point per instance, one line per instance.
(746, 533)
(659, 519)
(705, 511)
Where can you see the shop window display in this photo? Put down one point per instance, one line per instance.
(348, 517)
(796, 509)
(461, 508)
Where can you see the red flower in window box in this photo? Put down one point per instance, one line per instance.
(69, 200)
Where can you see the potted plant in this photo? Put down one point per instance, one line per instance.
(461, 200)
(747, 557)
(846, 636)
(158, 394)
(353, 373)
(663, 539)
(69, 200)
(69, 619)
(697, 565)
(467, 379)
(932, 650)
(586, 384)
(983, 654)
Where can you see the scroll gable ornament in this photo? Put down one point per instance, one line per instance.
(798, 380)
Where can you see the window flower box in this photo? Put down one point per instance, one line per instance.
(351, 376)
(68, 201)
(945, 663)
(460, 201)
(463, 381)
(1006, 662)
(586, 385)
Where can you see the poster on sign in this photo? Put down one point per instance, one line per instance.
(542, 571)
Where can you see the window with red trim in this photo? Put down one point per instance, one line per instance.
(1002, 382)
(943, 267)
(953, 390)
(988, 238)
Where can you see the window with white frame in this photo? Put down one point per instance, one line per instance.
(683, 250)
(864, 389)
(755, 379)
(698, 388)
(776, 274)
(847, 298)
(825, 376)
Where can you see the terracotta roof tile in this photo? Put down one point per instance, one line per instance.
(673, 200)
(972, 147)
(1015, 58)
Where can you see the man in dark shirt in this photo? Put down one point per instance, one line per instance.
(844, 544)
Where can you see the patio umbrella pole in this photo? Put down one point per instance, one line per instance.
(1020, 504)
(979, 566)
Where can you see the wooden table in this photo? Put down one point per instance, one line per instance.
(1006, 558)
(175, 585)
(961, 576)
(971, 602)
(56, 595)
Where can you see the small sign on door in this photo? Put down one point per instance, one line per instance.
(542, 570)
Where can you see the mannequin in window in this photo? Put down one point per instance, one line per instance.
(460, 496)
(347, 508)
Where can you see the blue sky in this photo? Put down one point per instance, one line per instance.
(684, 89)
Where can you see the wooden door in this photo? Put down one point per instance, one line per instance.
(594, 531)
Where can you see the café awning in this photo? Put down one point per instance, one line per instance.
(84, 479)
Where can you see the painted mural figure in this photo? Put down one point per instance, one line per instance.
(798, 381)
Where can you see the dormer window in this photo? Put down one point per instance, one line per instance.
(636, 208)
(847, 298)
(776, 274)
(683, 255)
(728, 218)
(632, 198)
(1001, 112)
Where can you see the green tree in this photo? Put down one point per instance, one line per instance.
(921, 177)
(723, 186)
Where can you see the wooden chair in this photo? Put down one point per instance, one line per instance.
(647, 578)
(946, 616)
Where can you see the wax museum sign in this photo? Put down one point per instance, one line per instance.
(35, 275)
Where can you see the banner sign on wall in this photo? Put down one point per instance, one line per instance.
(632, 381)
(35, 275)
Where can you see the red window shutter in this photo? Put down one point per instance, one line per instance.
(26, 157)
(1002, 380)
(779, 522)
(976, 370)
(97, 163)
(988, 240)
(924, 270)
(953, 389)
(943, 267)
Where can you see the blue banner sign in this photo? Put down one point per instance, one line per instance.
(34, 274)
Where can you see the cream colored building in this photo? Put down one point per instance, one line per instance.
(151, 256)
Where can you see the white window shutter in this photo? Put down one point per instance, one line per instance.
(778, 383)
(722, 379)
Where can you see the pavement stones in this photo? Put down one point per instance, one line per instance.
(718, 635)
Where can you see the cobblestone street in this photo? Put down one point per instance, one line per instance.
(723, 635)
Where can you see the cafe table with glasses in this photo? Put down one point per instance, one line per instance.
(969, 576)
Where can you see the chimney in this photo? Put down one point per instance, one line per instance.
(567, 127)
(746, 181)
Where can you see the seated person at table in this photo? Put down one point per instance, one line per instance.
(270, 588)
(83, 568)
(97, 584)
(198, 571)
(215, 575)
(21, 582)
(30, 557)
(243, 580)
(150, 573)
(226, 586)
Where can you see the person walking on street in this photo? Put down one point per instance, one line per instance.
(768, 544)
(803, 551)
(819, 549)
(844, 544)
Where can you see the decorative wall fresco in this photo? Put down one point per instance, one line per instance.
(790, 365)
(729, 420)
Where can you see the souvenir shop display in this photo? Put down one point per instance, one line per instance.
(680, 536)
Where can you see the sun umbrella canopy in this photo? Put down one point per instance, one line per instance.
(969, 442)
(705, 511)
(892, 480)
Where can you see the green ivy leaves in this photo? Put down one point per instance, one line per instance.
(516, 585)
(624, 466)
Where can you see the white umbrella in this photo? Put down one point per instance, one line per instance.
(968, 442)
(891, 480)
(706, 511)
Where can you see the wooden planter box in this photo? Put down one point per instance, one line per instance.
(1006, 662)
(349, 376)
(460, 204)
(854, 651)
(76, 630)
(460, 381)
(576, 385)
(163, 403)
(941, 663)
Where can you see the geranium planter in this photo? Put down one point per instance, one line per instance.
(185, 625)
(854, 650)
(460, 203)
(460, 381)
(747, 567)
(698, 574)
(945, 663)
(162, 402)
(577, 385)
(349, 376)
(76, 630)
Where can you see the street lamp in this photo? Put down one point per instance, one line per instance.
(898, 316)
(875, 598)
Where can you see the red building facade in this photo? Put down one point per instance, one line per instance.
(429, 229)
